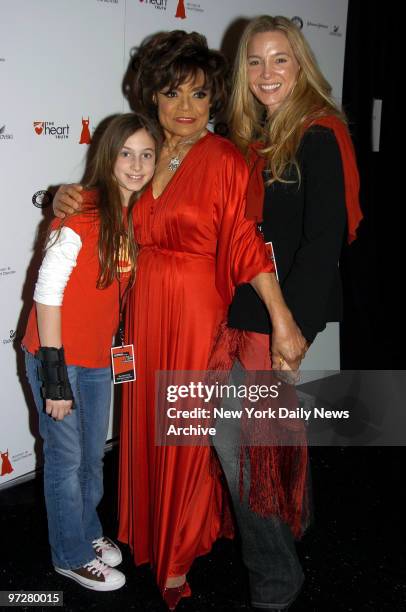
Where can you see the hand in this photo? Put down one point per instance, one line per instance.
(58, 409)
(284, 372)
(288, 345)
(67, 200)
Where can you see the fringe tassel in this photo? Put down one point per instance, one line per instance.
(278, 473)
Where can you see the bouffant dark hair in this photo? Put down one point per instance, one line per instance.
(168, 59)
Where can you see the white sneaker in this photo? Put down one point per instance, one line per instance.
(107, 551)
(95, 575)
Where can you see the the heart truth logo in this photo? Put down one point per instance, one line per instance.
(180, 10)
(6, 467)
(85, 137)
(39, 126)
(158, 4)
(48, 128)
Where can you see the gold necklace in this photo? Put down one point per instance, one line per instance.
(175, 160)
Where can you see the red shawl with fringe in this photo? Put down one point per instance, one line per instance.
(257, 163)
(279, 473)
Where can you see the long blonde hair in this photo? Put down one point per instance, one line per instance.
(310, 98)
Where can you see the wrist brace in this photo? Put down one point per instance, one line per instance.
(53, 374)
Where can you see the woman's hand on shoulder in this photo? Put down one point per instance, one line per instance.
(67, 200)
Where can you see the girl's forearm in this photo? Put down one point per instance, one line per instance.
(49, 325)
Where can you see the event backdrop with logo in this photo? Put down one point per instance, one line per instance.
(62, 65)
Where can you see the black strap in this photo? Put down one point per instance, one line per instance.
(53, 374)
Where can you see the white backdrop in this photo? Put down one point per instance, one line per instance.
(61, 62)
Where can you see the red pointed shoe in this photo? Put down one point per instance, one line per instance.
(173, 595)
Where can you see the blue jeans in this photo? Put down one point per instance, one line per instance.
(73, 463)
(268, 547)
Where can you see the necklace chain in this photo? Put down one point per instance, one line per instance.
(175, 159)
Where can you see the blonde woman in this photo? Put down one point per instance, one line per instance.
(303, 192)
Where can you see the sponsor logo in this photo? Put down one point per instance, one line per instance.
(4, 135)
(6, 271)
(158, 4)
(335, 31)
(6, 467)
(11, 337)
(312, 24)
(194, 6)
(42, 198)
(38, 126)
(48, 128)
(2, 59)
(85, 137)
(298, 21)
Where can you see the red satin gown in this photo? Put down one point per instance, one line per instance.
(195, 247)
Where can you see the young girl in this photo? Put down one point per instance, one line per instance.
(89, 261)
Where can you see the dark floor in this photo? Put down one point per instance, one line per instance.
(354, 554)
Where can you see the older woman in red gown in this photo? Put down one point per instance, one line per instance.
(195, 247)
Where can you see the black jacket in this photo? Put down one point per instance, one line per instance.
(306, 224)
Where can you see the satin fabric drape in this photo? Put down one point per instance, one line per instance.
(195, 247)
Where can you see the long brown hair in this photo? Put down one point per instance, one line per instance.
(114, 228)
(281, 132)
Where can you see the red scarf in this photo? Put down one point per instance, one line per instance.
(257, 163)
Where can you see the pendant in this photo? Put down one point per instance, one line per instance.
(174, 163)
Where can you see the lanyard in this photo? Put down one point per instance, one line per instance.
(122, 300)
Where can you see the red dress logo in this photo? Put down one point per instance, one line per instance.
(6, 467)
(38, 127)
(85, 135)
(180, 11)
